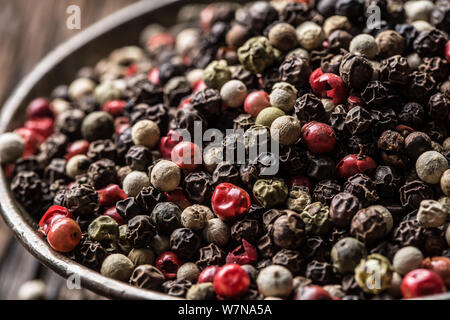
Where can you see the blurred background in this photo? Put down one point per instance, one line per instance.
(29, 30)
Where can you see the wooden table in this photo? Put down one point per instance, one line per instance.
(28, 31)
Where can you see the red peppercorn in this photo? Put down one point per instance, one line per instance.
(447, 51)
(232, 281)
(322, 82)
(39, 108)
(300, 181)
(230, 202)
(168, 142)
(112, 213)
(208, 274)
(199, 85)
(153, 76)
(354, 163)
(243, 254)
(312, 292)
(185, 103)
(64, 235)
(42, 126)
(177, 196)
(160, 40)
(319, 137)
(187, 155)
(53, 213)
(255, 102)
(114, 107)
(31, 139)
(75, 148)
(421, 282)
(440, 265)
(168, 263)
(110, 195)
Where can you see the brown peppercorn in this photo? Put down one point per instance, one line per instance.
(395, 70)
(339, 39)
(390, 43)
(288, 231)
(368, 225)
(438, 106)
(420, 85)
(102, 173)
(409, 233)
(283, 36)
(375, 94)
(210, 255)
(217, 232)
(147, 277)
(295, 71)
(417, 143)
(247, 229)
(266, 247)
(177, 288)
(430, 43)
(81, 200)
(90, 253)
(225, 172)
(361, 186)
(291, 259)
(309, 108)
(184, 242)
(343, 207)
(320, 272)
(140, 231)
(391, 141)
(325, 190)
(355, 71)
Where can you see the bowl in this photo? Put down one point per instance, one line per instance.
(60, 66)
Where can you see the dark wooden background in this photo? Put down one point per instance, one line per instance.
(29, 29)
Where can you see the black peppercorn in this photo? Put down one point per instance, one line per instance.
(325, 190)
(102, 173)
(413, 192)
(417, 143)
(184, 242)
(387, 181)
(225, 172)
(53, 147)
(358, 120)
(409, 34)
(198, 187)
(81, 200)
(140, 231)
(420, 85)
(343, 207)
(207, 102)
(436, 67)
(409, 233)
(102, 149)
(259, 15)
(291, 259)
(129, 208)
(243, 122)
(430, 43)
(321, 168)
(361, 186)
(355, 71)
(266, 247)
(28, 189)
(55, 170)
(138, 158)
(352, 9)
(320, 272)
(166, 216)
(186, 117)
(177, 288)
(90, 253)
(288, 230)
(394, 70)
(315, 248)
(247, 229)
(438, 106)
(148, 198)
(295, 71)
(308, 108)
(375, 94)
(69, 123)
(412, 114)
(210, 255)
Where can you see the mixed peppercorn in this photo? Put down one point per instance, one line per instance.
(360, 205)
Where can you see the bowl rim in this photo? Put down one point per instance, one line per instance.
(14, 215)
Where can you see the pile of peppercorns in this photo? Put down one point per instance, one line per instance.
(360, 206)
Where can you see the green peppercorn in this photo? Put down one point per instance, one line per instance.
(283, 36)
(141, 256)
(257, 54)
(407, 259)
(11, 147)
(286, 129)
(270, 192)
(283, 96)
(145, 133)
(268, 115)
(165, 176)
(431, 214)
(105, 91)
(195, 217)
(275, 281)
(97, 125)
(316, 217)
(374, 274)
(201, 291)
(117, 266)
(216, 74)
(134, 182)
(346, 254)
(299, 198)
(188, 271)
(104, 228)
(234, 93)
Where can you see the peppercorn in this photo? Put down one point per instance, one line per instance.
(321, 168)
(294, 70)
(430, 43)
(316, 218)
(188, 271)
(146, 276)
(431, 214)
(361, 186)
(69, 122)
(430, 166)
(140, 256)
(102, 149)
(347, 254)
(201, 291)
(212, 156)
(216, 74)
(166, 216)
(364, 45)
(270, 193)
(134, 182)
(374, 274)
(288, 231)
(145, 133)
(268, 115)
(97, 125)
(184, 242)
(104, 229)
(438, 106)
(90, 253)
(195, 217)
(298, 198)
(325, 190)
(165, 176)
(355, 71)
(11, 147)
(102, 173)
(310, 35)
(283, 36)
(140, 231)
(445, 182)
(370, 224)
(286, 129)
(81, 200)
(343, 207)
(138, 158)
(217, 232)
(117, 266)
(275, 281)
(80, 88)
(407, 259)
(233, 93)
(283, 96)
(256, 54)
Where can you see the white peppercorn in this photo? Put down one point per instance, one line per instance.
(336, 23)
(283, 36)
(145, 133)
(431, 214)
(187, 40)
(233, 93)
(134, 182)
(310, 35)
(418, 10)
(77, 165)
(414, 60)
(283, 96)
(188, 271)
(194, 75)
(430, 166)
(286, 129)
(217, 232)
(328, 105)
(445, 182)
(365, 45)
(58, 106)
(212, 156)
(140, 256)
(11, 147)
(407, 259)
(117, 266)
(275, 281)
(335, 290)
(165, 176)
(195, 217)
(396, 284)
(80, 88)
(422, 25)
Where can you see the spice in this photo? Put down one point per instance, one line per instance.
(430, 166)
(421, 282)
(102, 173)
(407, 259)
(229, 202)
(117, 266)
(104, 229)
(299, 198)
(146, 276)
(64, 234)
(294, 70)
(140, 256)
(374, 264)
(343, 207)
(134, 182)
(445, 182)
(283, 36)
(355, 71)
(201, 291)
(369, 225)
(364, 45)
(97, 125)
(270, 193)
(11, 147)
(140, 231)
(165, 176)
(188, 271)
(233, 93)
(346, 254)
(231, 281)
(216, 74)
(431, 214)
(310, 35)
(184, 242)
(166, 216)
(283, 96)
(316, 218)
(217, 232)
(319, 137)
(286, 128)
(275, 281)
(268, 115)
(256, 54)
(145, 133)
